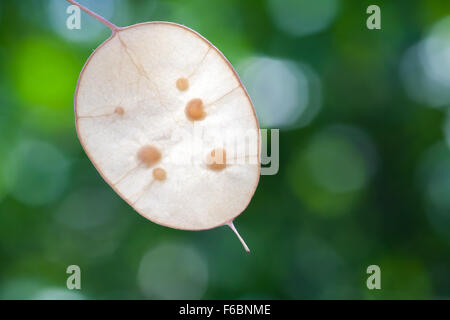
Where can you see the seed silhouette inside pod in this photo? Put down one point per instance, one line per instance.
(140, 99)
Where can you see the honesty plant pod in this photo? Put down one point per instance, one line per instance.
(141, 99)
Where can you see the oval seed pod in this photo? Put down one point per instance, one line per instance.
(168, 124)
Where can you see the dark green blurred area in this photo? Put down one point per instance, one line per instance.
(364, 172)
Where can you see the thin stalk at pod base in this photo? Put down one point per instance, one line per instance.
(110, 25)
(231, 225)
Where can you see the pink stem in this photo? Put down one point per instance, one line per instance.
(113, 27)
(231, 225)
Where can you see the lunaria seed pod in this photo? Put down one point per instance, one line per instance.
(166, 121)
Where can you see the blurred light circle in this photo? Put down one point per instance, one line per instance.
(57, 294)
(417, 85)
(87, 208)
(173, 271)
(425, 68)
(36, 173)
(285, 94)
(437, 51)
(44, 74)
(90, 29)
(335, 165)
(434, 179)
(317, 267)
(302, 17)
(30, 289)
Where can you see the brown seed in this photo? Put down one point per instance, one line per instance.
(217, 159)
(194, 110)
(149, 155)
(182, 84)
(159, 174)
(119, 111)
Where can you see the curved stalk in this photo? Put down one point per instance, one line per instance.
(231, 225)
(110, 25)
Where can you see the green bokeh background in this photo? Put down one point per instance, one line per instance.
(366, 180)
